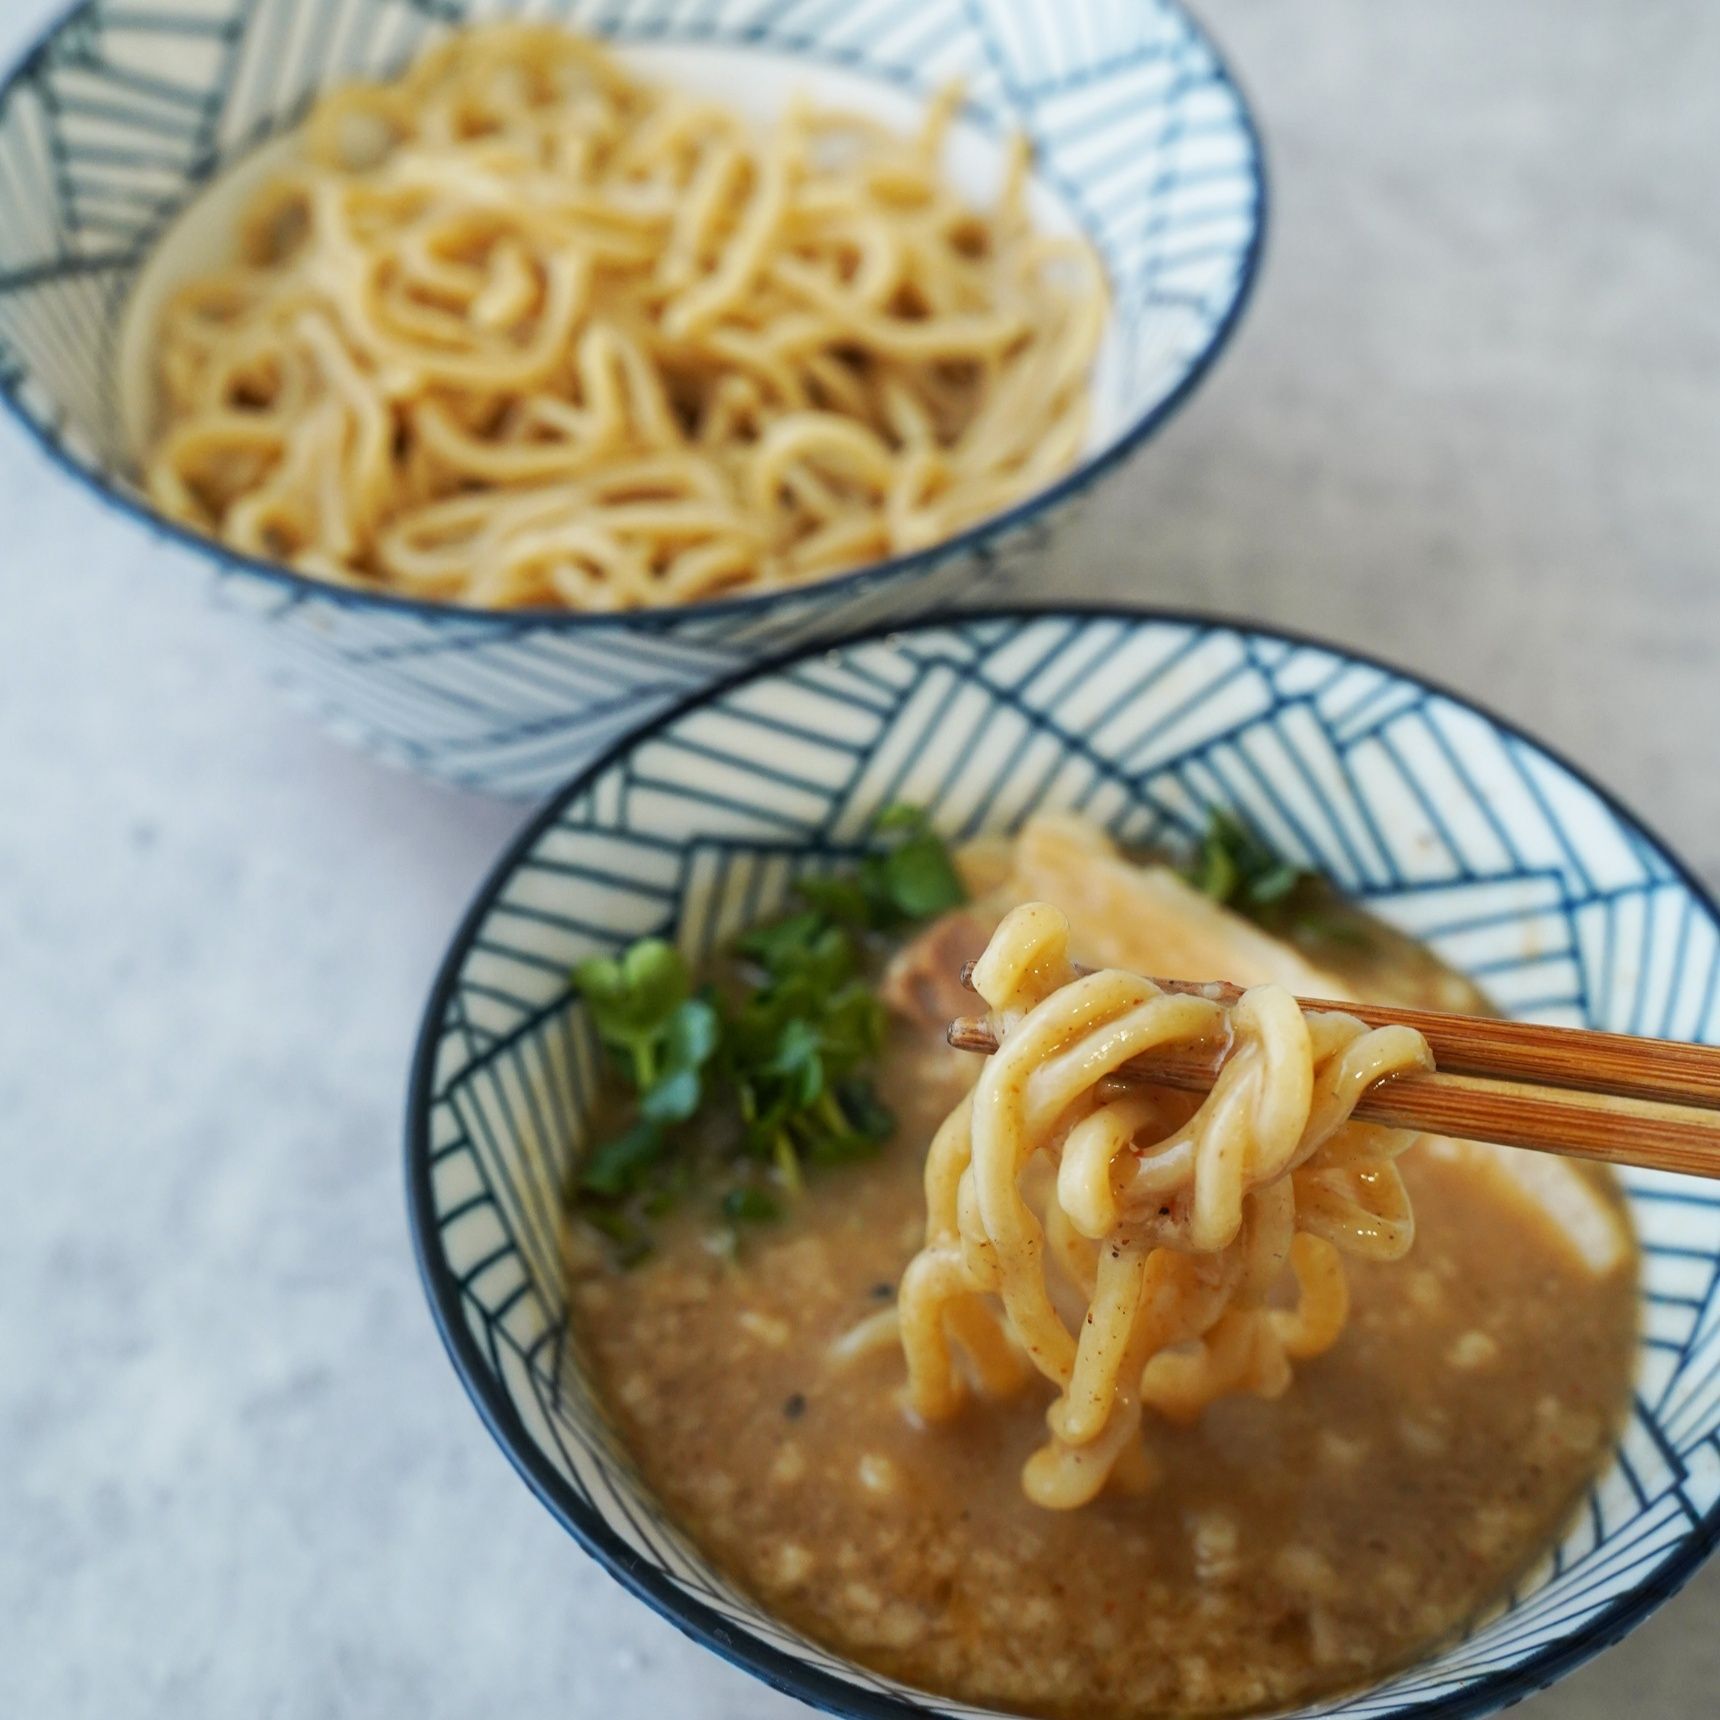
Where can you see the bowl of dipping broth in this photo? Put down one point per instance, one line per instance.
(519, 382)
(922, 1383)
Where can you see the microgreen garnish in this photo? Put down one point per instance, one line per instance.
(643, 1011)
(1234, 866)
(915, 875)
(618, 1165)
(910, 877)
(749, 1204)
(778, 1066)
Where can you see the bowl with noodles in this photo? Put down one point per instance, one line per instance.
(922, 1385)
(520, 381)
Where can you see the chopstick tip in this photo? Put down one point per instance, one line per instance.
(970, 1033)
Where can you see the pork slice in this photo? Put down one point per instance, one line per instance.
(923, 982)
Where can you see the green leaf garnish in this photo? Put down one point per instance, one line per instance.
(921, 879)
(785, 941)
(914, 878)
(840, 900)
(899, 815)
(777, 1073)
(867, 1114)
(798, 1064)
(616, 1166)
(1233, 866)
(674, 1099)
(1216, 873)
(687, 1043)
(632, 1001)
(1232, 860)
(750, 1205)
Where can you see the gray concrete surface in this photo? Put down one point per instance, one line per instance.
(1472, 423)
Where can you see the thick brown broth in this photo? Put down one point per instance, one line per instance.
(1289, 1549)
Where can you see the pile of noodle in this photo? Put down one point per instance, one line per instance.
(519, 329)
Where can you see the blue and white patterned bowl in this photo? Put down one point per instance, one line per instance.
(121, 113)
(1444, 820)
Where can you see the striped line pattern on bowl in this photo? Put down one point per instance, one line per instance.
(121, 113)
(1507, 863)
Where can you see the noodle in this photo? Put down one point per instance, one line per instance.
(1124, 1241)
(520, 330)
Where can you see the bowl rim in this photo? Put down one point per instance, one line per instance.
(695, 1618)
(852, 582)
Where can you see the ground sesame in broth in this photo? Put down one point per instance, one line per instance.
(1290, 1548)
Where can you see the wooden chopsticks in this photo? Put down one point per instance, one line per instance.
(1607, 1096)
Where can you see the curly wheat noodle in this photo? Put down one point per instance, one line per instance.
(1168, 1222)
(519, 330)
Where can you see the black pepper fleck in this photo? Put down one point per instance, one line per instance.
(795, 1407)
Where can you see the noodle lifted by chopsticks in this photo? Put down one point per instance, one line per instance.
(1124, 1241)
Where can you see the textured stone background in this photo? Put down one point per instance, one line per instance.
(1471, 423)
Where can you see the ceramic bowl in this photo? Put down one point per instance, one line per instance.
(120, 116)
(1445, 820)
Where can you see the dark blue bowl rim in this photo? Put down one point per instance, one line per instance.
(734, 1643)
(853, 583)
